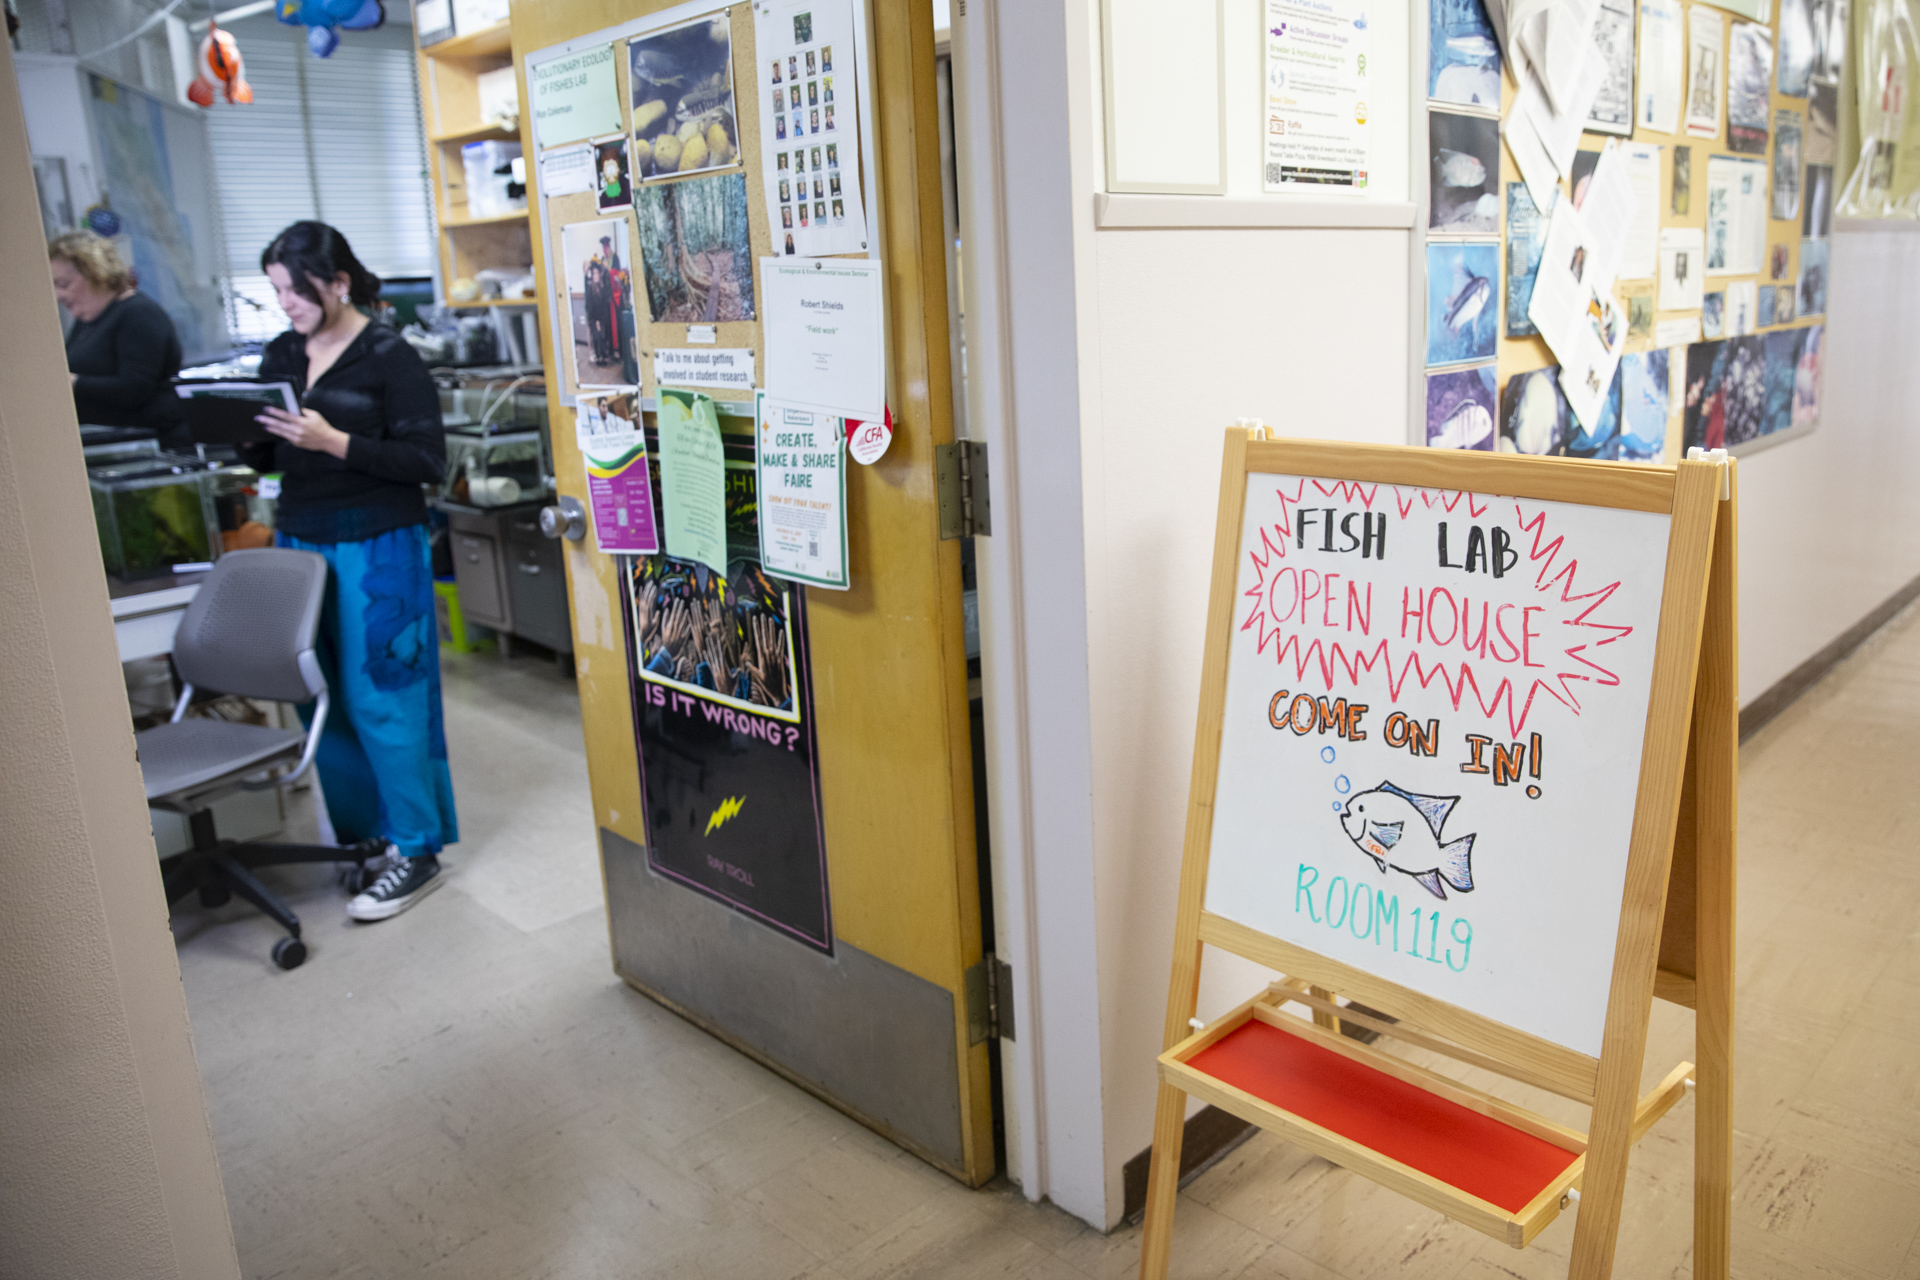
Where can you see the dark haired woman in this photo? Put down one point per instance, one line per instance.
(367, 436)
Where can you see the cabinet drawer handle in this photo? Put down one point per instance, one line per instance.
(528, 568)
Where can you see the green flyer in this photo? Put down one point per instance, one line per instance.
(574, 97)
(693, 478)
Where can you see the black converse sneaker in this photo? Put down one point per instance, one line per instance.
(403, 883)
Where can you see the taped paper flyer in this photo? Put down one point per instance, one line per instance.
(800, 475)
(614, 451)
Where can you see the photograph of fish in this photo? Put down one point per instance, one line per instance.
(1461, 279)
(1682, 181)
(693, 246)
(1464, 182)
(1460, 409)
(1402, 830)
(1786, 165)
(1713, 315)
(1749, 87)
(1816, 203)
(1813, 278)
(1526, 238)
(600, 302)
(1797, 45)
(1612, 110)
(1463, 57)
(1806, 379)
(682, 80)
(1783, 367)
(1645, 403)
(1534, 414)
(1726, 393)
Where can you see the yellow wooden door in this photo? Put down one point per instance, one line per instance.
(879, 1028)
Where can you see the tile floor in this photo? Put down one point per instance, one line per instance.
(468, 1091)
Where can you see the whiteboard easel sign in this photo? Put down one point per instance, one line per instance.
(1431, 742)
(825, 341)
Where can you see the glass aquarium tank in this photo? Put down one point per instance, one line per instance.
(244, 514)
(495, 470)
(154, 513)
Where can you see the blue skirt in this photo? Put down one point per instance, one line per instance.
(383, 753)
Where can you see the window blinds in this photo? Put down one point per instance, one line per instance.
(337, 139)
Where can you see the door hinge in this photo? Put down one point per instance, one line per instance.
(989, 1000)
(960, 470)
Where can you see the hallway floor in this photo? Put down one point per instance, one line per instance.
(468, 1091)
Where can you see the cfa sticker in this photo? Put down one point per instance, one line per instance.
(866, 441)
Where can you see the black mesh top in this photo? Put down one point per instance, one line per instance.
(379, 393)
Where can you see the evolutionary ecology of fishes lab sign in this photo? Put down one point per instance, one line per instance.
(1432, 730)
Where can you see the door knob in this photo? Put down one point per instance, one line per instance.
(566, 519)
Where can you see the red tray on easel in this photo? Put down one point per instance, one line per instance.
(1492, 1165)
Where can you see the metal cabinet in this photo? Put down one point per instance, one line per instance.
(536, 583)
(511, 577)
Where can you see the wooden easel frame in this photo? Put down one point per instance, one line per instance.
(1675, 936)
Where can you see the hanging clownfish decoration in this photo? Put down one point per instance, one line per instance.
(219, 63)
(320, 17)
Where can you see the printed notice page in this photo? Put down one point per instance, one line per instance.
(693, 482)
(1317, 94)
(723, 368)
(1736, 216)
(823, 330)
(567, 171)
(800, 473)
(809, 86)
(1574, 309)
(574, 97)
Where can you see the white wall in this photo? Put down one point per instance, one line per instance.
(1830, 523)
(106, 1159)
(1167, 336)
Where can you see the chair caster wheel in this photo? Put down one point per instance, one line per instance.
(215, 895)
(355, 879)
(288, 953)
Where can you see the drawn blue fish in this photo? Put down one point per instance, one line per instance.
(1401, 830)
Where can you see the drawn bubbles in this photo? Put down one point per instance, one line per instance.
(1341, 783)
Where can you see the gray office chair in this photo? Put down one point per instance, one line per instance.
(249, 631)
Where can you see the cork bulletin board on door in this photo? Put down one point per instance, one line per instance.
(694, 217)
(1716, 311)
(653, 256)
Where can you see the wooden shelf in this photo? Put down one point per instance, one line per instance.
(475, 133)
(495, 41)
(456, 224)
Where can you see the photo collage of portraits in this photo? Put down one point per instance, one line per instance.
(810, 161)
(1722, 288)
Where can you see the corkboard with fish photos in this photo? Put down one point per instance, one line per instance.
(698, 225)
(1720, 299)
